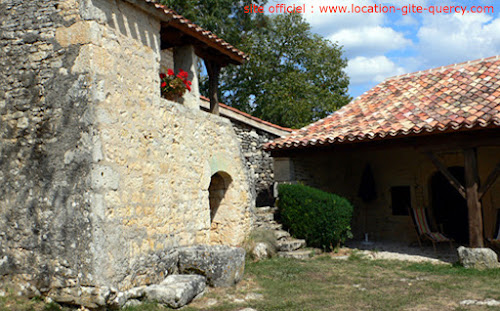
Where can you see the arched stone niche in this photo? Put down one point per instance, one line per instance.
(219, 183)
(229, 201)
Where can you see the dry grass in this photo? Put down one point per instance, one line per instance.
(326, 283)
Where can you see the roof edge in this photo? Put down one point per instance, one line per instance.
(178, 21)
(270, 146)
(238, 115)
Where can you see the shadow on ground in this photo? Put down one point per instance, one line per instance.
(405, 251)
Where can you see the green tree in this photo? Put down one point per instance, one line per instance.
(225, 18)
(293, 77)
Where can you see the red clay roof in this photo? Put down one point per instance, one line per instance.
(246, 115)
(184, 24)
(453, 98)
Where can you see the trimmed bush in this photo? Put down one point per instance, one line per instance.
(323, 219)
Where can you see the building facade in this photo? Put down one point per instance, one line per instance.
(427, 140)
(101, 178)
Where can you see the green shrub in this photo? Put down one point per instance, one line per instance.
(321, 218)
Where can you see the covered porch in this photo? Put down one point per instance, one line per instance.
(425, 144)
(452, 176)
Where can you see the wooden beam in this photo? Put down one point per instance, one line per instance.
(492, 177)
(444, 170)
(213, 70)
(472, 196)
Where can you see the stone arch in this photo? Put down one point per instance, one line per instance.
(229, 200)
(219, 184)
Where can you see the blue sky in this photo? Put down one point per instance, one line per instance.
(379, 46)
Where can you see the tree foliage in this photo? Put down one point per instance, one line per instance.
(293, 77)
(225, 18)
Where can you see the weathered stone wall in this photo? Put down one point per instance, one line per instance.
(100, 177)
(340, 173)
(46, 149)
(162, 199)
(258, 162)
(156, 157)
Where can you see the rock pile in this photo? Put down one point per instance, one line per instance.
(190, 270)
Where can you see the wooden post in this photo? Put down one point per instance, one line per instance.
(472, 196)
(213, 70)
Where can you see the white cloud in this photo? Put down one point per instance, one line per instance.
(372, 69)
(447, 39)
(383, 45)
(327, 23)
(370, 40)
(407, 20)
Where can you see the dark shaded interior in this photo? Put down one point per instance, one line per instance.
(449, 207)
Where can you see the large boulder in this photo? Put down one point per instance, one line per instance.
(176, 290)
(221, 265)
(478, 258)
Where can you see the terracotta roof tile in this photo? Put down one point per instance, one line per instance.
(185, 24)
(453, 98)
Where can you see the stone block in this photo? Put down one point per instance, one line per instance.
(221, 265)
(261, 251)
(291, 244)
(176, 290)
(478, 258)
(104, 177)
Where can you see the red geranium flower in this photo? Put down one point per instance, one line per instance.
(183, 74)
(174, 86)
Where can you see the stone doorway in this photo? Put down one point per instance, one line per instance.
(449, 208)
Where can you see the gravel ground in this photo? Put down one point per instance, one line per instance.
(402, 251)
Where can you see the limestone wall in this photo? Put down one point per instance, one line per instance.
(100, 177)
(341, 173)
(46, 148)
(258, 162)
(150, 183)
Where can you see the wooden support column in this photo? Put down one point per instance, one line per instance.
(472, 196)
(213, 70)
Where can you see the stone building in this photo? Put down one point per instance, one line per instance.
(427, 140)
(101, 179)
(253, 133)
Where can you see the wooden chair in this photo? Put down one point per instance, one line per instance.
(424, 231)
